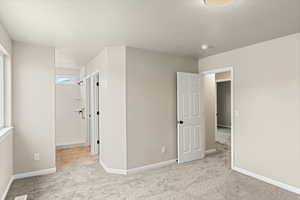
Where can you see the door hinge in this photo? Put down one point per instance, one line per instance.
(97, 83)
(98, 112)
(98, 142)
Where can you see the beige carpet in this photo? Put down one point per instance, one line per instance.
(207, 179)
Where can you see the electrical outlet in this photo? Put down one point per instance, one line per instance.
(36, 156)
(163, 149)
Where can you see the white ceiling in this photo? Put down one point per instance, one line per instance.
(81, 28)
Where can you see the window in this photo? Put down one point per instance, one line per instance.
(66, 79)
(2, 91)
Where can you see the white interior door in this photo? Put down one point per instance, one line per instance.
(190, 137)
(68, 115)
(96, 113)
(88, 109)
(92, 112)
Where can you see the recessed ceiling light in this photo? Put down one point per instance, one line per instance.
(217, 2)
(204, 46)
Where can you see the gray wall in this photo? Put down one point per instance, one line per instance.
(209, 90)
(151, 105)
(267, 97)
(33, 107)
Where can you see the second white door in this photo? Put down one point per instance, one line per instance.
(190, 137)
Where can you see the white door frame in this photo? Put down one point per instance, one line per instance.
(219, 70)
(87, 109)
(92, 92)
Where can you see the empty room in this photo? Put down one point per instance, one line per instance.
(150, 100)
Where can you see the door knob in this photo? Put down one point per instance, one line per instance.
(180, 122)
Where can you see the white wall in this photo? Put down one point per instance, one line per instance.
(6, 160)
(67, 71)
(267, 96)
(98, 63)
(33, 107)
(5, 41)
(6, 137)
(111, 63)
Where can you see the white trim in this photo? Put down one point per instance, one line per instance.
(26, 175)
(218, 70)
(111, 170)
(4, 133)
(138, 169)
(7, 188)
(268, 180)
(125, 107)
(90, 94)
(223, 80)
(35, 173)
(70, 68)
(151, 166)
(210, 151)
(226, 69)
(71, 145)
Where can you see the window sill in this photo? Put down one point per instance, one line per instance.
(5, 132)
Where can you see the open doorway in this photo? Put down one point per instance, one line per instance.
(218, 109)
(73, 146)
(223, 109)
(204, 114)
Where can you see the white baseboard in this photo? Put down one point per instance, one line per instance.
(71, 145)
(210, 151)
(268, 180)
(35, 173)
(151, 166)
(26, 175)
(111, 170)
(138, 169)
(7, 188)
